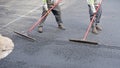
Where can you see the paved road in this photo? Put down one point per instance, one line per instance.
(52, 48)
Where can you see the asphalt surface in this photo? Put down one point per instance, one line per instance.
(53, 48)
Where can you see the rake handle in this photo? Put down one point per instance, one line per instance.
(39, 21)
(90, 24)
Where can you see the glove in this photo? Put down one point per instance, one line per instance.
(93, 9)
(45, 7)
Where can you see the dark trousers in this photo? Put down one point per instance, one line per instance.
(98, 14)
(57, 13)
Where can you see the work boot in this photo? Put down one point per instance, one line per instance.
(98, 27)
(94, 30)
(40, 29)
(60, 26)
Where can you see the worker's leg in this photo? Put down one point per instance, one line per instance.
(40, 27)
(58, 18)
(98, 17)
(94, 30)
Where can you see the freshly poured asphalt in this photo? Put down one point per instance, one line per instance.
(53, 48)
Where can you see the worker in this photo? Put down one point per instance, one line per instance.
(47, 4)
(93, 5)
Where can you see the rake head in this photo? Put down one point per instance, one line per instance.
(25, 35)
(83, 41)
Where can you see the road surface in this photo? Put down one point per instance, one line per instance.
(53, 48)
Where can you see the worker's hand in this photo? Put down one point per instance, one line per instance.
(94, 12)
(45, 7)
(93, 8)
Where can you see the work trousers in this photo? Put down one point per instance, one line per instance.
(57, 13)
(98, 14)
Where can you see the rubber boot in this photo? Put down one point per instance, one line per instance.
(40, 29)
(60, 26)
(94, 29)
(98, 27)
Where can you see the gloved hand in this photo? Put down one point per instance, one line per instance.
(93, 9)
(45, 7)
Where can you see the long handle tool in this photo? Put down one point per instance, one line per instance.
(26, 35)
(88, 29)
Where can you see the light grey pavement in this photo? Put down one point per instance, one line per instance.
(52, 48)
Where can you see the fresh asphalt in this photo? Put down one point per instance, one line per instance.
(53, 48)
